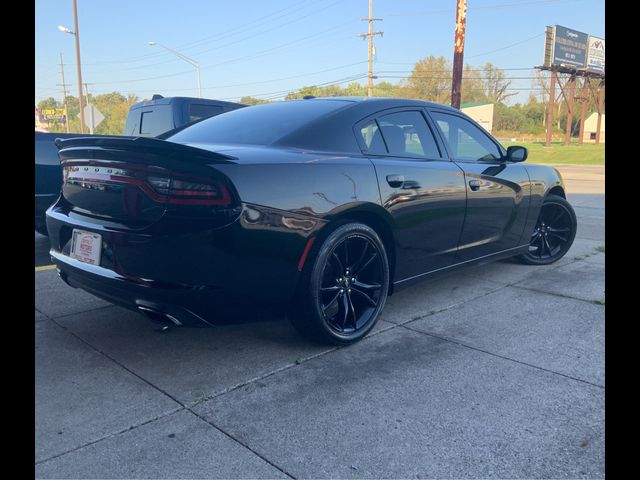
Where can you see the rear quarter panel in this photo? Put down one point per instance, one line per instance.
(285, 204)
(319, 186)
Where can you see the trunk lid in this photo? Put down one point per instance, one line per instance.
(139, 180)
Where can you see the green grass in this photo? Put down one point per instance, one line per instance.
(585, 154)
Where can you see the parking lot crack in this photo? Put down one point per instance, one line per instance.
(522, 287)
(182, 406)
(103, 307)
(449, 307)
(258, 454)
(114, 434)
(461, 344)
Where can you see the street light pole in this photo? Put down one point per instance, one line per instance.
(79, 66)
(186, 59)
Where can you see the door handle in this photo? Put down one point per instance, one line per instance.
(475, 185)
(395, 181)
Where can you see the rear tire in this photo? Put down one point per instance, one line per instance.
(553, 234)
(344, 286)
(41, 228)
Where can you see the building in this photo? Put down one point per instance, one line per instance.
(480, 112)
(591, 127)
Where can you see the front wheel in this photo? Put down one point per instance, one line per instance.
(344, 289)
(554, 232)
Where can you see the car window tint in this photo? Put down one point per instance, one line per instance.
(372, 138)
(407, 133)
(156, 121)
(197, 111)
(466, 141)
(259, 124)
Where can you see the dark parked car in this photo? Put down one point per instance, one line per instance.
(318, 207)
(149, 118)
(48, 175)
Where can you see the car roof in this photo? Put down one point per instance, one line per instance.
(169, 100)
(387, 101)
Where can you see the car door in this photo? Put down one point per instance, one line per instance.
(497, 191)
(422, 190)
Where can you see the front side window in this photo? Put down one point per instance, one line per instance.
(407, 134)
(466, 141)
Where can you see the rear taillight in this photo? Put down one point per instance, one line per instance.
(175, 190)
(185, 192)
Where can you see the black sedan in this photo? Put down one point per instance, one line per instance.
(319, 208)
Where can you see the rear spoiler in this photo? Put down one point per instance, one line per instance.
(143, 145)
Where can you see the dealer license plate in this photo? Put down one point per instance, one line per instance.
(86, 246)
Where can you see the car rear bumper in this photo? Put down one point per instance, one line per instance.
(195, 276)
(179, 303)
(43, 201)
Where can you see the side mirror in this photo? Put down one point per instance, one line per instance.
(517, 154)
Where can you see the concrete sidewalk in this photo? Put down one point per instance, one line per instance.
(492, 372)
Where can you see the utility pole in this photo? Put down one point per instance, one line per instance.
(79, 67)
(370, 36)
(570, 103)
(552, 99)
(600, 109)
(584, 97)
(64, 94)
(458, 53)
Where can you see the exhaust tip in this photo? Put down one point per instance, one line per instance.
(159, 316)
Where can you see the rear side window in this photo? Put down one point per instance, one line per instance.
(372, 138)
(156, 121)
(407, 134)
(259, 124)
(198, 111)
(466, 141)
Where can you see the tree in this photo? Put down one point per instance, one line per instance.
(247, 100)
(114, 106)
(472, 85)
(495, 84)
(431, 80)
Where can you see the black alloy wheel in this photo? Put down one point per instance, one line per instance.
(553, 234)
(345, 288)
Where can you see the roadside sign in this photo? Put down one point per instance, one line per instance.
(570, 47)
(595, 55)
(53, 114)
(92, 117)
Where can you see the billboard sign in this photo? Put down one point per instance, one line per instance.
(570, 47)
(53, 114)
(595, 55)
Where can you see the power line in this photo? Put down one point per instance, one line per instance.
(485, 7)
(279, 93)
(217, 47)
(226, 62)
(217, 36)
(211, 87)
(508, 46)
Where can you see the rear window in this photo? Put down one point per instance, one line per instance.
(156, 121)
(257, 125)
(198, 111)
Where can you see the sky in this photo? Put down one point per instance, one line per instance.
(266, 48)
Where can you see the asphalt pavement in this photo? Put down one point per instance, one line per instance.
(492, 372)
